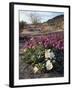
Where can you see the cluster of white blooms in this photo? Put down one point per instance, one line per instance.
(49, 54)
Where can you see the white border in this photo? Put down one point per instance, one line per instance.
(16, 46)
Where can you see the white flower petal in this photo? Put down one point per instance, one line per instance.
(35, 69)
(49, 54)
(49, 65)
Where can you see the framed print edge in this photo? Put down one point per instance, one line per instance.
(11, 44)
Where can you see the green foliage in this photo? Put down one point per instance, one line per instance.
(40, 66)
(34, 56)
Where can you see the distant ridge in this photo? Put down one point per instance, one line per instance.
(56, 19)
(57, 22)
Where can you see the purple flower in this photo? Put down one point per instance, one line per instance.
(55, 39)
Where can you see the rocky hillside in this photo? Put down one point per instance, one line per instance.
(57, 22)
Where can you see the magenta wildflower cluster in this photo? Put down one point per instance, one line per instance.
(55, 40)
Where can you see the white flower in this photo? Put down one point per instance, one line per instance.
(25, 50)
(53, 61)
(49, 54)
(35, 69)
(46, 53)
(49, 65)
